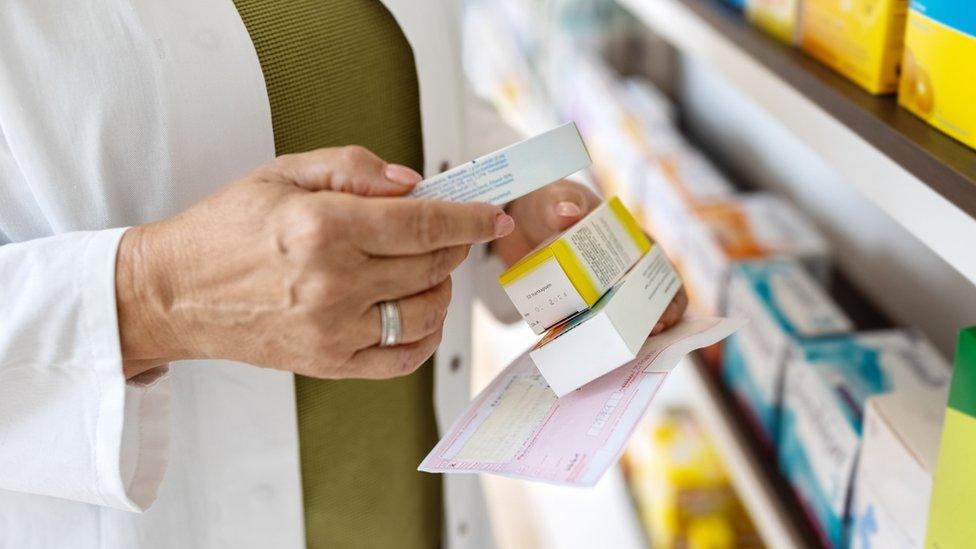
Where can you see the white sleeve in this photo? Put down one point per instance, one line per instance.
(71, 426)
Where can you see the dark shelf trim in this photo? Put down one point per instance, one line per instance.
(945, 165)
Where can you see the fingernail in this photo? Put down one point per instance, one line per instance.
(568, 209)
(402, 175)
(504, 224)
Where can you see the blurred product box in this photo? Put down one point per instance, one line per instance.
(611, 333)
(894, 471)
(675, 183)
(780, 18)
(825, 388)
(784, 305)
(739, 4)
(752, 227)
(572, 271)
(953, 506)
(937, 78)
(861, 39)
(681, 489)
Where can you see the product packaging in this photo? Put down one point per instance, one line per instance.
(610, 334)
(784, 305)
(514, 171)
(756, 226)
(825, 388)
(572, 271)
(861, 39)
(894, 471)
(779, 18)
(681, 488)
(937, 81)
(953, 506)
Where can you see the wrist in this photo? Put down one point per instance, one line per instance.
(143, 296)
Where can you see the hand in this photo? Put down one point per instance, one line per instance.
(277, 271)
(541, 214)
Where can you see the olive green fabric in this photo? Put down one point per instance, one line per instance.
(341, 72)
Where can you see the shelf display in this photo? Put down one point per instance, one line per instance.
(780, 18)
(940, 60)
(825, 387)
(861, 39)
(784, 306)
(681, 488)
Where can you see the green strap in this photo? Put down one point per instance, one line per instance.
(341, 72)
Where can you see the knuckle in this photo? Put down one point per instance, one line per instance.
(355, 154)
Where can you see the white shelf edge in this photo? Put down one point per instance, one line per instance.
(775, 525)
(937, 223)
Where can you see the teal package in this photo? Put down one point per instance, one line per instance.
(826, 387)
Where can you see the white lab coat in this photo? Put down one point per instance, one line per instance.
(120, 112)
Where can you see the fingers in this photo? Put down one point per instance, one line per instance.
(388, 362)
(391, 227)
(396, 277)
(420, 315)
(567, 204)
(350, 169)
(674, 312)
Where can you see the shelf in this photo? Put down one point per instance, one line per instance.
(761, 489)
(922, 178)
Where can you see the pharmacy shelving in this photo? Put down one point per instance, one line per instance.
(922, 178)
(754, 479)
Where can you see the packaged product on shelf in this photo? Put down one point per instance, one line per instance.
(779, 18)
(862, 39)
(572, 271)
(784, 305)
(826, 384)
(937, 82)
(755, 226)
(953, 506)
(899, 446)
(681, 489)
(675, 183)
(609, 334)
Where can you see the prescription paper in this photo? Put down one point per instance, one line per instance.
(517, 427)
(512, 172)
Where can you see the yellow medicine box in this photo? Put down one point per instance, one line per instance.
(861, 39)
(777, 17)
(571, 272)
(938, 81)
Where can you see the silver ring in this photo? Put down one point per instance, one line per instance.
(390, 328)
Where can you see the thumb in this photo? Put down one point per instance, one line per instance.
(351, 169)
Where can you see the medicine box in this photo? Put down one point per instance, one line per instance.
(861, 39)
(752, 227)
(953, 505)
(893, 481)
(826, 385)
(784, 305)
(937, 81)
(610, 334)
(572, 272)
(780, 18)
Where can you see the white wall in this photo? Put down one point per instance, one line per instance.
(894, 269)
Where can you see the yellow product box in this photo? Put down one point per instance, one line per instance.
(779, 18)
(938, 81)
(861, 39)
(681, 489)
(572, 271)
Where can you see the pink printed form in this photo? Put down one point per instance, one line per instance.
(517, 426)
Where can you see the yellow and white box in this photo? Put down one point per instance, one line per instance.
(861, 39)
(571, 272)
(609, 335)
(779, 18)
(938, 81)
